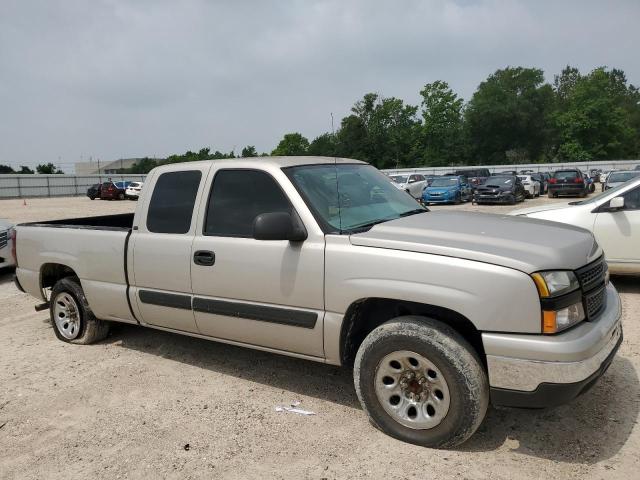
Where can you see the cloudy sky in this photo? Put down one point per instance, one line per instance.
(126, 78)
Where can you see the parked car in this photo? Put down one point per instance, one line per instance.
(614, 218)
(542, 180)
(619, 177)
(113, 190)
(413, 183)
(505, 189)
(475, 176)
(531, 186)
(448, 189)
(591, 184)
(132, 192)
(93, 191)
(568, 182)
(7, 251)
(505, 173)
(342, 256)
(595, 174)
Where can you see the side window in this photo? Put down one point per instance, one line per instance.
(172, 202)
(237, 198)
(632, 199)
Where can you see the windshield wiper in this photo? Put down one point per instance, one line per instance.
(413, 212)
(367, 226)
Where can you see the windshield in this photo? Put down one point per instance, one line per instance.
(499, 181)
(566, 174)
(445, 182)
(606, 193)
(356, 199)
(399, 178)
(616, 177)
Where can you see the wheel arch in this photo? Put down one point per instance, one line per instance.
(365, 314)
(51, 272)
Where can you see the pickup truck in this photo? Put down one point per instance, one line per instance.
(438, 313)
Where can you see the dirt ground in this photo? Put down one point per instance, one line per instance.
(148, 404)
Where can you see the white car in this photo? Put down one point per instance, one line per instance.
(6, 244)
(619, 177)
(133, 190)
(531, 186)
(413, 183)
(614, 218)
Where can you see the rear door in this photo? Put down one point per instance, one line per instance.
(264, 293)
(161, 248)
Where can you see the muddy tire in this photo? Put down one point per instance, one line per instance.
(71, 317)
(419, 381)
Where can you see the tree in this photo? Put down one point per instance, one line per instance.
(510, 111)
(324, 145)
(6, 169)
(442, 141)
(25, 170)
(596, 117)
(249, 151)
(48, 169)
(292, 144)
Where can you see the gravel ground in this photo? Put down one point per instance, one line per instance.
(146, 404)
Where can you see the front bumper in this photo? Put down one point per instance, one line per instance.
(537, 371)
(492, 198)
(566, 190)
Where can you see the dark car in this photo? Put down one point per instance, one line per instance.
(93, 191)
(475, 176)
(542, 180)
(113, 190)
(500, 189)
(570, 181)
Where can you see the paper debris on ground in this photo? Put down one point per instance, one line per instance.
(293, 408)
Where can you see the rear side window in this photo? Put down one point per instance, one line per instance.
(237, 198)
(172, 202)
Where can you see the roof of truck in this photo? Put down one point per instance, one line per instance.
(280, 162)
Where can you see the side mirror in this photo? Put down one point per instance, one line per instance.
(279, 226)
(615, 204)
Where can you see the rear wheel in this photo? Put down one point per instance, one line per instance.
(419, 381)
(71, 317)
(121, 196)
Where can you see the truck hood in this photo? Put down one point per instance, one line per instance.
(521, 243)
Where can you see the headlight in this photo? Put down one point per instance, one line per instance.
(556, 321)
(555, 283)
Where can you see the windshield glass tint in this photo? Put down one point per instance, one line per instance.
(399, 178)
(445, 182)
(346, 197)
(622, 176)
(499, 181)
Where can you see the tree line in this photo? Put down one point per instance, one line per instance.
(513, 117)
(45, 168)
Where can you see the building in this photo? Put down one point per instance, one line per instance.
(98, 167)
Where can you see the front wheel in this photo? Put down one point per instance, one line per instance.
(419, 381)
(71, 317)
(458, 199)
(512, 200)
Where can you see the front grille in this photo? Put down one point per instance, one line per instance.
(4, 238)
(591, 275)
(594, 294)
(595, 302)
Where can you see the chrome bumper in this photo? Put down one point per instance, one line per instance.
(523, 362)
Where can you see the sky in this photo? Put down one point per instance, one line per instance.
(116, 79)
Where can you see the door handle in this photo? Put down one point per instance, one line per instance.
(204, 258)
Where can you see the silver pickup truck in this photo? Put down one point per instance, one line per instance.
(438, 313)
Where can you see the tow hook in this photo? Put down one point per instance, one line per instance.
(42, 306)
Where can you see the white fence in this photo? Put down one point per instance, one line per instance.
(536, 167)
(25, 186)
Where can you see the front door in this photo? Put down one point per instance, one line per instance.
(257, 292)
(618, 232)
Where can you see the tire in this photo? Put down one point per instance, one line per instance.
(459, 389)
(512, 200)
(92, 198)
(458, 199)
(68, 301)
(121, 196)
(551, 195)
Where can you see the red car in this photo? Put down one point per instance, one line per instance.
(113, 190)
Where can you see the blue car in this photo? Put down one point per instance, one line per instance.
(448, 189)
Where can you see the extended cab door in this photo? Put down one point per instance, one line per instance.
(261, 292)
(161, 247)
